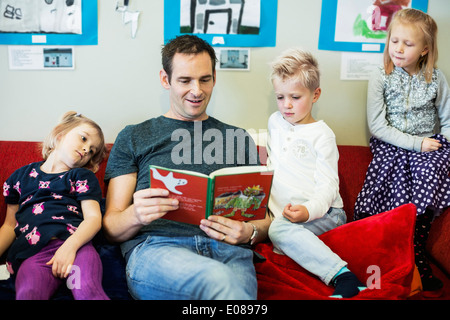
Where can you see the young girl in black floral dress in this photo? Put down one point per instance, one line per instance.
(53, 212)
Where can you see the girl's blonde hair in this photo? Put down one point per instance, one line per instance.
(69, 121)
(428, 27)
(296, 63)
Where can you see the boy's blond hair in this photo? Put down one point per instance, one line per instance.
(297, 64)
(424, 23)
(69, 121)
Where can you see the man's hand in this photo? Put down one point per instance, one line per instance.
(127, 211)
(227, 230)
(152, 204)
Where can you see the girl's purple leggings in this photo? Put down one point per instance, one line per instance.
(35, 281)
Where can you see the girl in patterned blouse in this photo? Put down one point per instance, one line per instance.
(53, 211)
(407, 100)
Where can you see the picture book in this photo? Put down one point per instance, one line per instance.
(239, 193)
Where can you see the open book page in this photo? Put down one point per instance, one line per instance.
(242, 196)
(239, 193)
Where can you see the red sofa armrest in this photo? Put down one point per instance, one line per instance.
(15, 154)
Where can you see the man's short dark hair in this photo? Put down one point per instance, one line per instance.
(186, 44)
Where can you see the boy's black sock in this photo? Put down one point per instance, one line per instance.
(346, 285)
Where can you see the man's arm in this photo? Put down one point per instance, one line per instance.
(127, 211)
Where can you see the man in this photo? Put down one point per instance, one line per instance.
(167, 259)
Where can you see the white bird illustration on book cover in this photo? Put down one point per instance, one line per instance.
(169, 181)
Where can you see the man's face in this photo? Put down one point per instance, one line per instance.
(191, 86)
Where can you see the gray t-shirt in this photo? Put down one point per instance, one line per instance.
(202, 146)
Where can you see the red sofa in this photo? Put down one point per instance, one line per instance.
(378, 249)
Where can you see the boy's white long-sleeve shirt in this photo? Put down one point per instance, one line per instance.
(305, 162)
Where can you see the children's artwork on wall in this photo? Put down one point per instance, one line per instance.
(231, 23)
(359, 25)
(129, 17)
(221, 17)
(233, 59)
(48, 22)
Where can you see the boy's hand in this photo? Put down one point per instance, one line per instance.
(296, 213)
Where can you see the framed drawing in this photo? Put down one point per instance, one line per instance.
(233, 59)
(359, 25)
(48, 22)
(228, 23)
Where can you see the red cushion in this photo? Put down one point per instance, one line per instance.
(384, 241)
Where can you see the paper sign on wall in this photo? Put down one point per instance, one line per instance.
(41, 58)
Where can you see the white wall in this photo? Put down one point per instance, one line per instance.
(116, 83)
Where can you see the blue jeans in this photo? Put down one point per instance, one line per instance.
(299, 241)
(194, 268)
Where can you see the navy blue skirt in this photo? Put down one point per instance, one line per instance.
(397, 176)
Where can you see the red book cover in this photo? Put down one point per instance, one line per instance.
(239, 193)
(191, 190)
